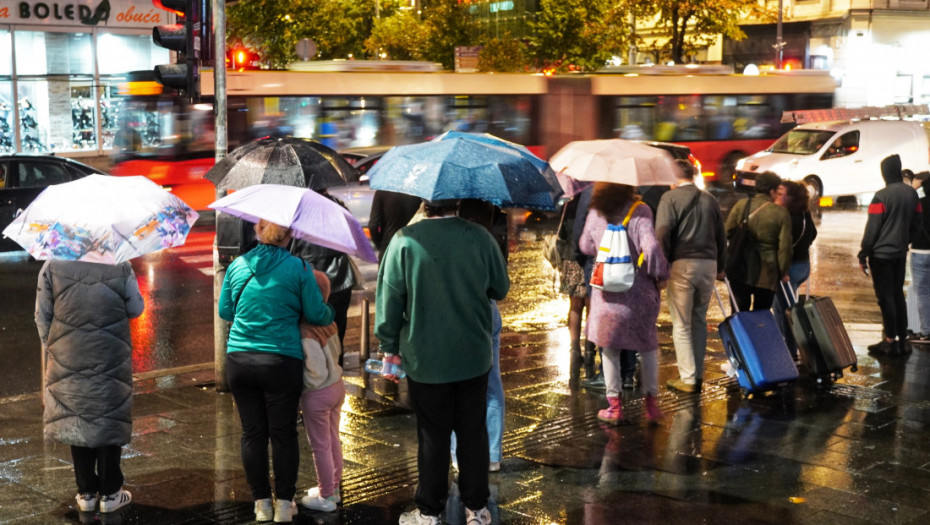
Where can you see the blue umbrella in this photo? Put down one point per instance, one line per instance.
(459, 168)
(555, 190)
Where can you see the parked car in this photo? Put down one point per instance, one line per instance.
(357, 196)
(839, 158)
(23, 177)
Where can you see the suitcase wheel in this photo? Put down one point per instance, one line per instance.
(854, 368)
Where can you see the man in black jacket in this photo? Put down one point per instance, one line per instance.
(390, 211)
(689, 226)
(894, 221)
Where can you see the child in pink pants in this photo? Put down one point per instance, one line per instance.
(321, 404)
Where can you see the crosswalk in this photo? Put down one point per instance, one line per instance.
(197, 252)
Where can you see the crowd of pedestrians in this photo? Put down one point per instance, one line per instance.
(439, 280)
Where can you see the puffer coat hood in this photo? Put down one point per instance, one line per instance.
(82, 314)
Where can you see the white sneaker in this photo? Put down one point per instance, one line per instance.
(318, 503)
(415, 518)
(477, 517)
(117, 500)
(264, 509)
(86, 502)
(314, 492)
(284, 511)
(494, 466)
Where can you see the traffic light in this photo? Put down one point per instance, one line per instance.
(190, 37)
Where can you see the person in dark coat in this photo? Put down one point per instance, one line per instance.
(894, 221)
(82, 314)
(390, 211)
(920, 264)
(338, 268)
(793, 197)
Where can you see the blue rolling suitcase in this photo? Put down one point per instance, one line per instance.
(756, 350)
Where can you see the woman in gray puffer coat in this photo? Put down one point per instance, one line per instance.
(82, 313)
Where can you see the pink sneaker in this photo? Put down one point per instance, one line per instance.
(613, 413)
(653, 413)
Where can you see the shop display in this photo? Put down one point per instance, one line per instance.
(6, 127)
(82, 120)
(109, 120)
(29, 127)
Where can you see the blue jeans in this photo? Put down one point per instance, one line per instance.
(495, 398)
(798, 272)
(920, 274)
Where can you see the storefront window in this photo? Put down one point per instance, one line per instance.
(57, 115)
(41, 53)
(6, 54)
(117, 54)
(6, 117)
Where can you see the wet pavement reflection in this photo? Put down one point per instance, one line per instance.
(851, 452)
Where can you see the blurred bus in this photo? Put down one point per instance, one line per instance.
(721, 117)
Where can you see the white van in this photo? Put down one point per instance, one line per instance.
(840, 158)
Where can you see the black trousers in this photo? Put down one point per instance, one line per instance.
(267, 390)
(751, 298)
(340, 301)
(441, 408)
(888, 282)
(97, 470)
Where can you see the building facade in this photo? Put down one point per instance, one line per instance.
(60, 67)
(875, 49)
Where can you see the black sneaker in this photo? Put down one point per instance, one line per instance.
(627, 383)
(595, 383)
(883, 347)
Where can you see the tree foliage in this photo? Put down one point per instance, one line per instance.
(272, 28)
(400, 36)
(579, 35)
(504, 54)
(690, 24)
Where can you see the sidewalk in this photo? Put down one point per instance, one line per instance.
(854, 452)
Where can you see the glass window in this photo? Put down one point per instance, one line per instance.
(58, 114)
(844, 145)
(41, 53)
(39, 173)
(7, 120)
(122, 53)
(6, 53)
(635, 117)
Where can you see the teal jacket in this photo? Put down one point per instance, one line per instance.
(264, 294)
(433, 303)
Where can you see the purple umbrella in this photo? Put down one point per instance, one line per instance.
(310, 216)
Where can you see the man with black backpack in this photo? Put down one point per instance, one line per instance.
(689, 226)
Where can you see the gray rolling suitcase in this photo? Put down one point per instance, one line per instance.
(822, 340)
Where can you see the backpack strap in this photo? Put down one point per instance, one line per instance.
(629, 214)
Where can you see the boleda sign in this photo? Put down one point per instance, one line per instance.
(83, 13)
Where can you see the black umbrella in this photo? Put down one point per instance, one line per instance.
(290, 161)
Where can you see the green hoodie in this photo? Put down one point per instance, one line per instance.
(264, 294)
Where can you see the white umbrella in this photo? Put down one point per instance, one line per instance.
(102, 219)
(615, 160)
(310, 216)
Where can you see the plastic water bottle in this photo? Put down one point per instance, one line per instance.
(374, 366)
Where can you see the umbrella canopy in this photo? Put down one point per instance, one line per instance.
(459, 168)
(554, 192)
(613, 160)
(102, 219)
(289, 161)
(310, 216)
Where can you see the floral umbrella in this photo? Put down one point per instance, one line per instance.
(102, 219)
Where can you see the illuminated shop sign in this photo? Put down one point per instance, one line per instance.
(83, 13)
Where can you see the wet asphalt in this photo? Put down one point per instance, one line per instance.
(851, 452)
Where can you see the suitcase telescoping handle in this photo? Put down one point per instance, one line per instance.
(791, 295)
(733, 307)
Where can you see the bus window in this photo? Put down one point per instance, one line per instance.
(635, 117)
(679, 119)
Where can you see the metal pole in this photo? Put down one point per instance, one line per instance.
(778, 38)
(220, 327)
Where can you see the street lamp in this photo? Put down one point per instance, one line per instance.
(779, 44)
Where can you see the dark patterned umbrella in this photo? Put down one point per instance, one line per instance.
(290, 161)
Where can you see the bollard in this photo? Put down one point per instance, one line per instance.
(364, 339)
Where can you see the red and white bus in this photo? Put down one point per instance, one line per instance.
(721, 117)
